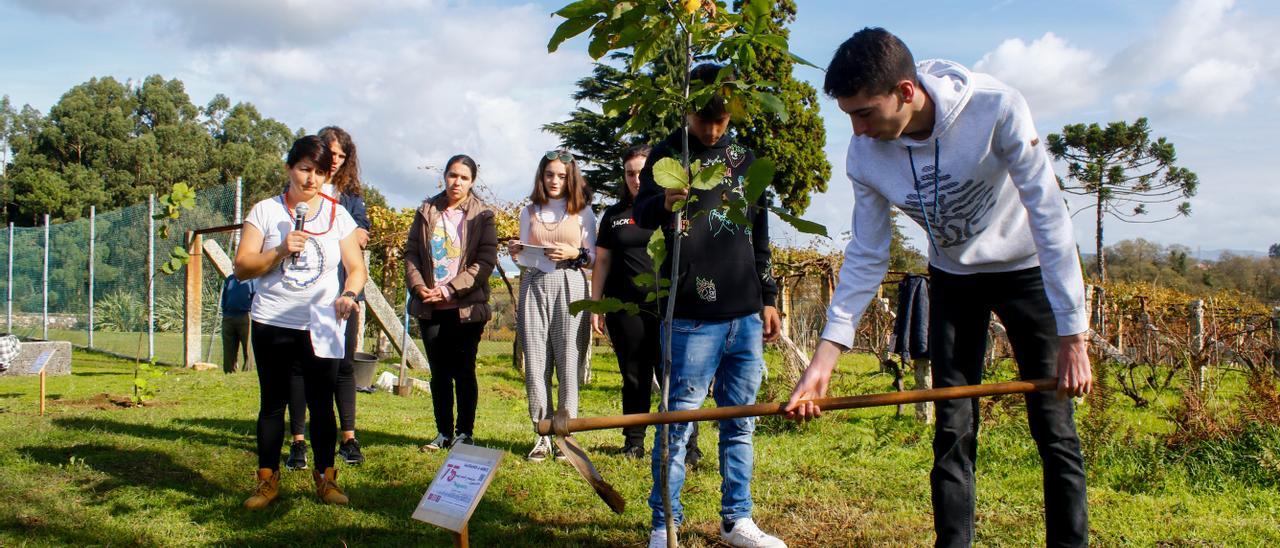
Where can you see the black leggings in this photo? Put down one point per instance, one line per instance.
(344, 394)
(281, 354)
(635, 341)
(451, 352)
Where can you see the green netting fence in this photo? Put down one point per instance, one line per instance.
(115, 304)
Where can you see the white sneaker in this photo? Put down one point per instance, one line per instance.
(746, 534)
(541, 450)
(658, 539)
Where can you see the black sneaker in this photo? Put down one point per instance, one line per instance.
(350, 453)
(633, 451)
(461, 439)
(297, 456)
(692, 457)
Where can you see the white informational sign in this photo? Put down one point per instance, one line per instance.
(41, 361)
(458, 487)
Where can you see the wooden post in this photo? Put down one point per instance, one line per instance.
(41, 391)
(460, 539)
(924, 381)
(1119, 330)
(191, 334)
(785, 310)
(1197, 342)
(1275, 340)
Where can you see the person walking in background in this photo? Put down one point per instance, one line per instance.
(450, 253)
(237, 301)
(959, 153)
(343, 183)
(299, 311)
(560, 230)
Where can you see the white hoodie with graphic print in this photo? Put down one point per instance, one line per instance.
(982, 187)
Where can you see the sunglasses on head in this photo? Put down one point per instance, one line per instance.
(561, 155)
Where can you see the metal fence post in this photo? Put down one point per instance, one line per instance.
(93, 235)
(235, 236)
(151, 277)
(9, 285)
(44, 313)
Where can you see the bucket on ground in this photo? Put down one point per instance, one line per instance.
(366, 365)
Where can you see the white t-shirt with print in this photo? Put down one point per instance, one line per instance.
(288, 293)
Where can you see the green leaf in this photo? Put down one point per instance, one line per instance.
(756, 9)
(646, 49)
(738, 216)
(581, 8)
(179, 253)
(644, 279)
(771, 103)
(773, 41)
(797, 59)
(807, 227)
(668, 173)
(759, 177)
(657, 249)
(708, 177)
(601, 42)
(602, 306)
(569, 29)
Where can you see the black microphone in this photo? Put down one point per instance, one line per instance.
(299, 218)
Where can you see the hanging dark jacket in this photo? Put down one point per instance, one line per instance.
(911, 328)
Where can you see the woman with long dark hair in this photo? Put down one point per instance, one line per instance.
(560, 232)
(448, 258)
(299, 311)
(621, 255)
(345, 185)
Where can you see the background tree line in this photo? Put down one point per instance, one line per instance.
(1175, 267)
(110, 144)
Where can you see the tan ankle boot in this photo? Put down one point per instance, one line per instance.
(327, 486)
(267, 490)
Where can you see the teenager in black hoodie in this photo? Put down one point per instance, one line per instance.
(724, 312)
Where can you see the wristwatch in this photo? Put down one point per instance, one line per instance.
(349, 294)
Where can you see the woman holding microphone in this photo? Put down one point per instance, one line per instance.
(293, 244)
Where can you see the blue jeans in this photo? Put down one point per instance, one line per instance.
(730, 352)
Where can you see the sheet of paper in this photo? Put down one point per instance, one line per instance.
(328, 333)
(533, 256)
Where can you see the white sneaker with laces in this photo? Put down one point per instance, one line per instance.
(746, 534)
(658, 538)
(541, 450)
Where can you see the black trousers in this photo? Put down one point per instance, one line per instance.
(635, 341)
(283, 354)
(960, 310)
(344, 393)
(451, 352)
(235, 342)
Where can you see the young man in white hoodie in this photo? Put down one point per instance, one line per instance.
(957, 152)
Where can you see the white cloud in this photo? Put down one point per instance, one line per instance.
(1053, 75)
(416, 89)
(1213, 87)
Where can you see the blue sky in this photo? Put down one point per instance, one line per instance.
(416, 81)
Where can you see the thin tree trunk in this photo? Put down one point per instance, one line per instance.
(1102, 253)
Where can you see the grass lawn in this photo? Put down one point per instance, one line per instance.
(174, 472)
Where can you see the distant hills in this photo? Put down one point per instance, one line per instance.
(1207, 254)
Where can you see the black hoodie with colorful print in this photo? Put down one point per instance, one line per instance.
(724, 267)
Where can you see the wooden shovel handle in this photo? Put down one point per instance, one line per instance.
(827, 404)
